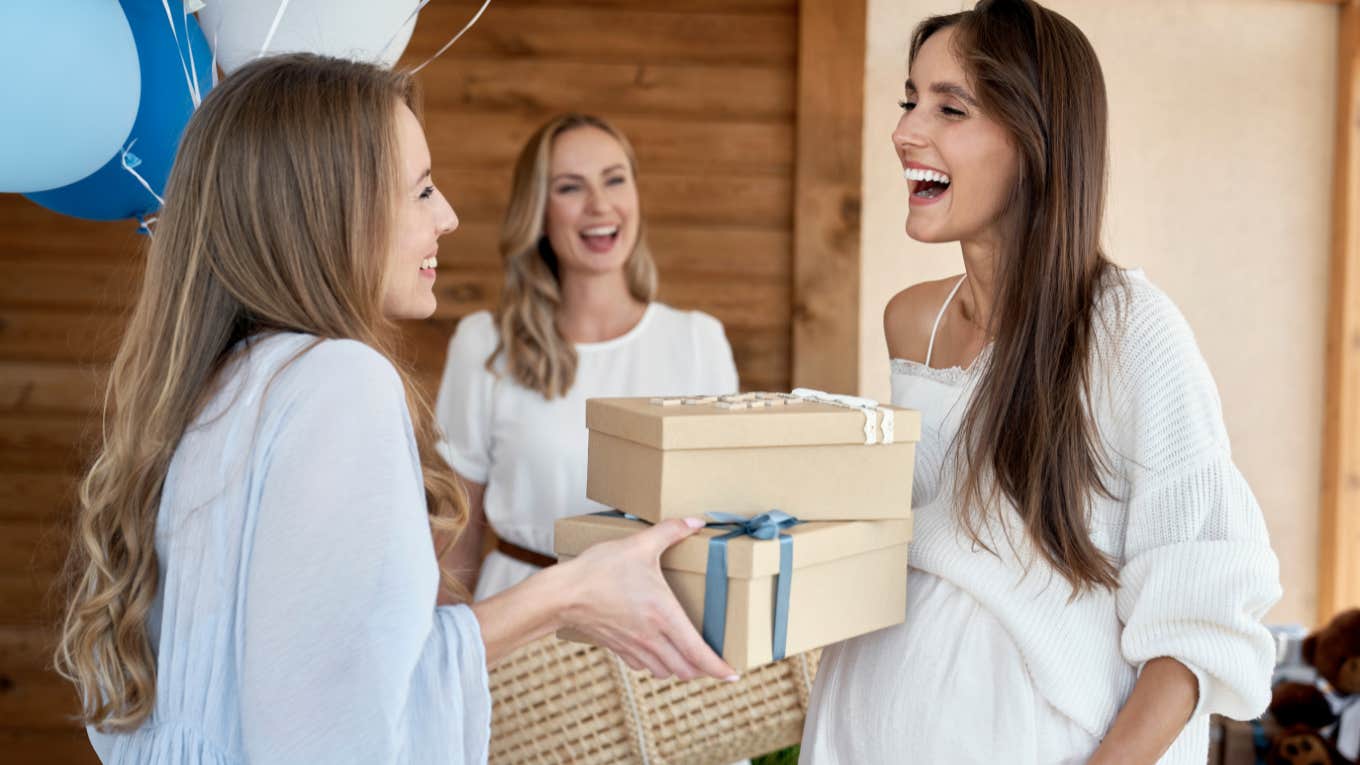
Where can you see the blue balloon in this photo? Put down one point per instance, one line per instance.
(172, 53)
(69, 86)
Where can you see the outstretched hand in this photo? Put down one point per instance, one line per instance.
(623, 603)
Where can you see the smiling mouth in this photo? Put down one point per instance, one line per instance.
(600, 239)
(926, 184)
(430, 263)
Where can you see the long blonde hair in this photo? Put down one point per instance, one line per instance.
(536, 354)
(277, 217)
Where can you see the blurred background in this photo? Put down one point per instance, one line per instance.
(774, 202)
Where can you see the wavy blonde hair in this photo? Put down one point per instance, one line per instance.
(536, 354)
(278, 215)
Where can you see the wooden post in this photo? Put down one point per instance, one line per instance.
(827, 189)
(1339, 530)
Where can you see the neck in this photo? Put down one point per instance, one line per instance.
(979, 263)
(596, 307)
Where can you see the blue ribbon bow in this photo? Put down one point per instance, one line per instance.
(764, 526)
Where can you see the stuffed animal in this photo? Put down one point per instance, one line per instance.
(1301, 745)
(1301, 712)
(1335, 651)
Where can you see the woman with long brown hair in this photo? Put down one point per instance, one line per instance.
(577, 319)
(1089, 568)
(253, 575)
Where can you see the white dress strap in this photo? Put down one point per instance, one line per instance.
(930, 349)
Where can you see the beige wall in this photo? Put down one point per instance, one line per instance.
(1221, 143)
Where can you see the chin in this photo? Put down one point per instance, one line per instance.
(925, 235)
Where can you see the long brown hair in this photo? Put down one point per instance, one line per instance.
(1028, 433)
(277, 217)
(536, 354)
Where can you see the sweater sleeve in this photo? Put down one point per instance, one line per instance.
(345, 657)
(1198, 572)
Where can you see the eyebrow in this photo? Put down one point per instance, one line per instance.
(579, 177)
(947, 89)
(422, 177)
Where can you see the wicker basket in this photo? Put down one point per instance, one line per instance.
(560, 702)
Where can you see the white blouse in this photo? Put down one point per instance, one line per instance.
(530, 452)
(294, 618)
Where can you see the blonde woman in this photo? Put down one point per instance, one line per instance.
(253, 577)
(577, 320)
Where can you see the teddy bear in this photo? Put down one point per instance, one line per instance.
(1300, 712)
(1335, 651)
(1319, 724)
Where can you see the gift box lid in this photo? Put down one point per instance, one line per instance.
(707, 422)
(814, 543)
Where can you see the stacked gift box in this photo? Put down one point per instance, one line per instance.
(808, 496)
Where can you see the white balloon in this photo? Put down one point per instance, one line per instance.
(69, 90)
(375, 31)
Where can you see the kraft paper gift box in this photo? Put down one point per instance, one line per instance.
(815, 584)
(816, 456)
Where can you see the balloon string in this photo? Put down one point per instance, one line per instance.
(194, 95)
(273, 28)
(450, 43)
(129, 162)
(400, 27)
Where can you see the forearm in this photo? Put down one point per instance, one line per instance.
(1154, 715)
(524, 613)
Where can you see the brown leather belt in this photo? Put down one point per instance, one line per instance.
(523, 555)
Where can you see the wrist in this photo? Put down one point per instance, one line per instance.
(560, 589)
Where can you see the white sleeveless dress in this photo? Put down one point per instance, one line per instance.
(952, 680)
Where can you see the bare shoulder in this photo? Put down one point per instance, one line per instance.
(909, 316)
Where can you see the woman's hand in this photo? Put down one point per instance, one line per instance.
(623, 603)
(615, 595)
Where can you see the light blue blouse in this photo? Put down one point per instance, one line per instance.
(295, 618)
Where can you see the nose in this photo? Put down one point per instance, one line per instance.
(595, 203)
(906, 135)
(448, 219)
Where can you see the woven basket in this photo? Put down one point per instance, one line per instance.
(560, 702)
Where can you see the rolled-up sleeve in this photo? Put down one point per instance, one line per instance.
(1198, 573)
(345, 657)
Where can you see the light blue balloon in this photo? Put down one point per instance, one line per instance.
(177, 70)
(69, 88)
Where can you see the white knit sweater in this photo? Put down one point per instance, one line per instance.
(1196, 572)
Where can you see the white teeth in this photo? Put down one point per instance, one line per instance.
(430, 263)
(913, 174)
(601, 231)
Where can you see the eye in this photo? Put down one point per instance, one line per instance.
(907, 105)
(427, 192)
(950, 111)
(617, 180)
(567, 188)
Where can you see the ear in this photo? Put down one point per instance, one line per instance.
(1309, 648)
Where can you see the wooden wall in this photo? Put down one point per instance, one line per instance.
(705, 89)
(706, 92)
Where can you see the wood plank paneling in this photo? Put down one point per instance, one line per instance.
(628, 35)
(716, 92)
(49, 387)
(673, 147)
(826, 236)
(36, 495)
(1339, 527)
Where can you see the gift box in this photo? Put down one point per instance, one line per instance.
(769, 587)
(817, 456)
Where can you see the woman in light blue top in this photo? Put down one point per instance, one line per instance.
(254, 572)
